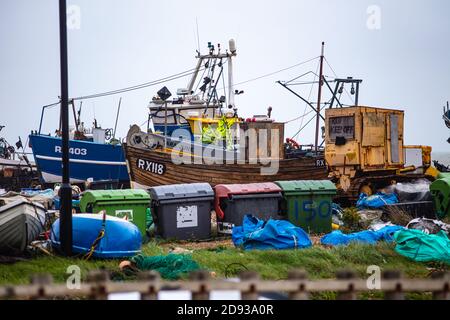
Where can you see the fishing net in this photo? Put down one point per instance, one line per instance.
(171, 267)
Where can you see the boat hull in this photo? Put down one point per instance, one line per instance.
(21, 222)
(87, 160)
(311, 168)
(121, 238)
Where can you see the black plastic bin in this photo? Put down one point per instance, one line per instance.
(234, 201)
(182, 211)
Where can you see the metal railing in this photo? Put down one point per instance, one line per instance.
(297, 286)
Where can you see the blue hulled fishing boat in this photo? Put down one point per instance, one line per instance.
(88, 160)
(95, 155)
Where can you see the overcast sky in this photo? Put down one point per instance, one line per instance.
(399, 48)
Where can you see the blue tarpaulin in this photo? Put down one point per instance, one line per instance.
(336, 238)
(377, 200)
(271, 234)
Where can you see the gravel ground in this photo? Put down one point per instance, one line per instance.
(227, 243)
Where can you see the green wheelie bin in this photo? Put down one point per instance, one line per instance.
(129, 203)
(440, 190)
(309, 203)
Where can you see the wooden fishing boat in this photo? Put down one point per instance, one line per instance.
(21, 222)
(16, 171)
(160, 169)
(203, 128)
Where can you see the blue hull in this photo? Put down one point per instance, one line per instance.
(87, 160)
(122, 238)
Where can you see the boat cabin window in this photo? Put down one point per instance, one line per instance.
(198, 112)
(342, 127)
(158, 117)
(181, 119)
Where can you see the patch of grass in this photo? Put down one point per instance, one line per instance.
(20, 272)
(319, 262)
(446, 220)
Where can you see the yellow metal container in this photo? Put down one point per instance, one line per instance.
(425, 151)
(363, 139)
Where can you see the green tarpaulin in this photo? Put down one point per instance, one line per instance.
(423, 247)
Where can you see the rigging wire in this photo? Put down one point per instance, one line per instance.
(329, 65)
(198, 82)
(307, 82)
(298, 118)
(273, 73)
(309, 97)
(139, 86)
(132, 88)
(303, 127)
(300, 76)
(175, 77)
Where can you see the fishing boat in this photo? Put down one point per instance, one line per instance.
(21, 222)
(16, 171)
(199, 136)
(446, 116)
(94, 154)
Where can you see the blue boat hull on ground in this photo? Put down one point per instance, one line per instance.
(121, 239)
(87, 160)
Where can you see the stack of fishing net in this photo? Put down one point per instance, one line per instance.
(170, 267)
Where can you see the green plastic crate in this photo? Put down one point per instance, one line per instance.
(309, 203)
(119, 203)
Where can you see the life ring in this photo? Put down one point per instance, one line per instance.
(291, 142)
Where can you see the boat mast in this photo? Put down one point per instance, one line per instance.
(117, 118)
(232, 48)
(319, 97)
(211, 55)
(74, 115)
(195, 75)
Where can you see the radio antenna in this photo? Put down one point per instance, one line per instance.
(198, 36)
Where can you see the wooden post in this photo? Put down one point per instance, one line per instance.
(154, 278)
(251, 278)
(398, 293)
(202, 277)
(350, 293)
(65, 213)
(301, 293)
(41, 280)
(444, 293)
(10, 293)
(98, 278)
